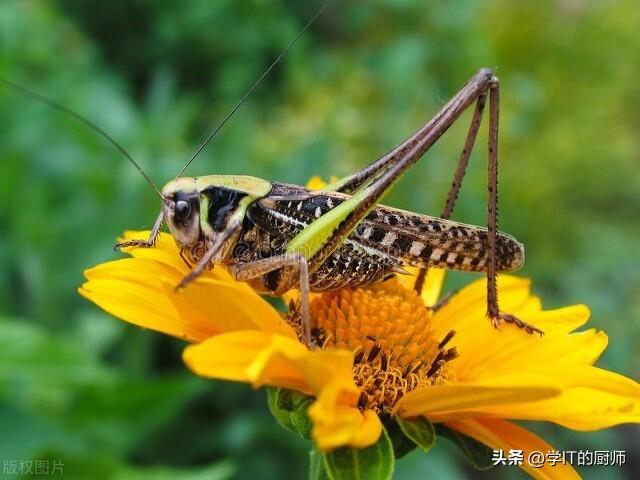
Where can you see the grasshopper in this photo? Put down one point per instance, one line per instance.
(278, 236)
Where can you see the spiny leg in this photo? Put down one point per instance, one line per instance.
(329, 231)
(210, 254)
(493, 310)
(473, 89)
(461, 169)
(248, 271)
(149, 242)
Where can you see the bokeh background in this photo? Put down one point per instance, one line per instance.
(113, 401)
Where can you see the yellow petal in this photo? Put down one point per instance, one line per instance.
(587, 398)
(166, 251)
(501, 435)
(316, 183)
(236, 356)
(141, 298)
(591, 399)
(336, 424)
(560, 320)
(437, 401)
(579, 409)
(141, 291)
(432, 283)
(466, 311)
(262, 358)
(433, 286)
(486, 351)
(231, 306)
(512, 350)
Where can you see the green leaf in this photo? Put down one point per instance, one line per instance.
(478, 454)
(420, 430)
(290, 410)
(372, 463)
(218, 471)
(316, 465)
(101, 467)
(401, 444)
(26, 353)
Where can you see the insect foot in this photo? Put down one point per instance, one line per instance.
(516, 321)
(134, 243)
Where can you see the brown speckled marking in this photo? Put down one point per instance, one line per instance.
(374, 249)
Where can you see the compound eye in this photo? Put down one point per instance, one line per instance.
(183, 209)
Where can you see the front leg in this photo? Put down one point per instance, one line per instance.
(220, 242)
(293, 264)
(149, 242)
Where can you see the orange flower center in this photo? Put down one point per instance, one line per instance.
(389, 328)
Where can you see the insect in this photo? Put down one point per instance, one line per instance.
(278, 236)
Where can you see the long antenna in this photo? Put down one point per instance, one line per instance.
(86, 121)
(253, 87)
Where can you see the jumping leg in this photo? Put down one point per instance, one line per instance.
(470, 92)
(461, 169)
(493, 310)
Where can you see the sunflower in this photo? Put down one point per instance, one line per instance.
(385, 355)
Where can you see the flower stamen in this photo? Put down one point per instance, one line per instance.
(388, 328)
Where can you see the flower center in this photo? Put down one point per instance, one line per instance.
(389, 328)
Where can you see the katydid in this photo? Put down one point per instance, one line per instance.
(278, 236)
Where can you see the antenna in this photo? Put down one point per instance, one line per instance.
(254, 86)
(86, 121)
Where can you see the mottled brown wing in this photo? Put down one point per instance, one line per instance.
(400, 236)
(423, 240)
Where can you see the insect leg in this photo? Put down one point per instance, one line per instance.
(149, 242)
(210, 254)
(324, 235)
(297, 264)
(461, 169)
(475, 87)
(493, 311)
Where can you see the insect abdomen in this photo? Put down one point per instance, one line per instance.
(470, 254)
(421, 240)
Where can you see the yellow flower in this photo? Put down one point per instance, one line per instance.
(382, 352)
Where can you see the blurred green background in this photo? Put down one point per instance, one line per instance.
(112, 401)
